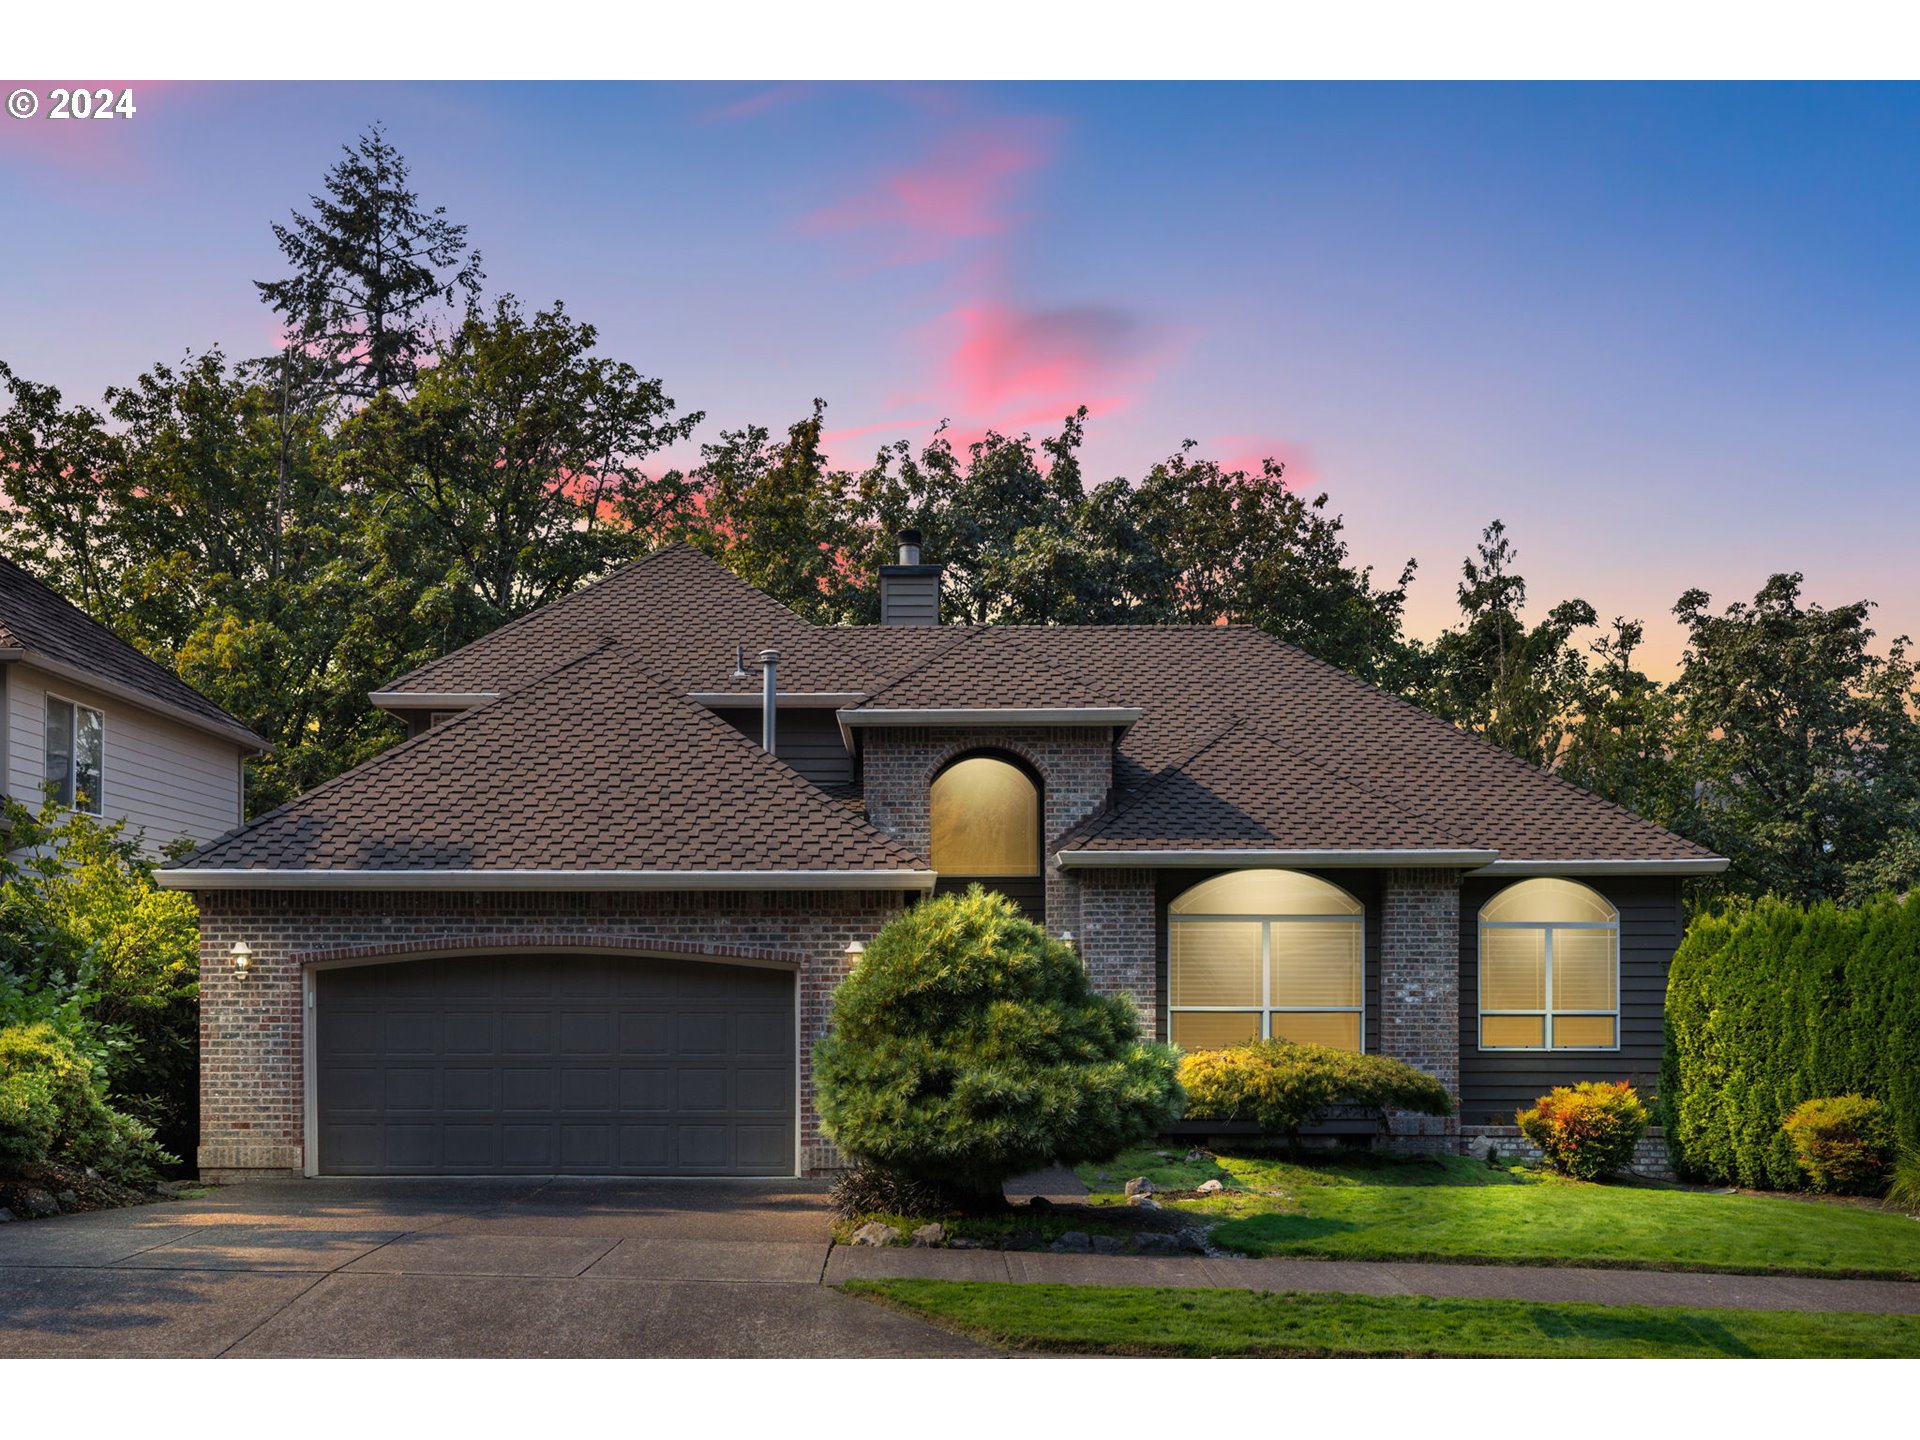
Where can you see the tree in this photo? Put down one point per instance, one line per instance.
(1620, 744)
(1800, 742)
(968, 1047)
(369, 265)
(511, 474)
(58, 467)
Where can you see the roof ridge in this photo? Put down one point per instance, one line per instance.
(967, 637)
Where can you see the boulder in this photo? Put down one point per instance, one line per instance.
(1144, 1202)
(39, 1204)
(1139, 1185)
(1157, 1242)
(927, 1235)
(1022, 1239)
(68, 1199)
(875, 1233)
(1073, 1240)
(1210, 1187)
(1195, 1156)
(6, 1215)
(1108, 1244)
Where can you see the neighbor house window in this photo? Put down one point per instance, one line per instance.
(76, 753)
(985, 819)
(1266, 954)
(1549, 968)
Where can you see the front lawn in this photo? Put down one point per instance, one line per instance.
(1390, 1208)
(1136, 1320)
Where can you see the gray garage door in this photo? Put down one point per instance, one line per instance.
(555, 1064)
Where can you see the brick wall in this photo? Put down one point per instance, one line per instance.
(1650, 1157)
(1116, 923)
(252, 1035)
(1075, 765)
(1420, 983)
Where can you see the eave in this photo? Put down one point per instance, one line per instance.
(1249, 855)
(224, 878)
(1705, 865)
(233, 731)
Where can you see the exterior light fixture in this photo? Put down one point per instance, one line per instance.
(242, 954)
(1066, 937)
(856, 948)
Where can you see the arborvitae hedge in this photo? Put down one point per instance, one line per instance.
(1774, 1005)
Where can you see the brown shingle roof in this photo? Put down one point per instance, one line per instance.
(36, 620)
(989, 668)
(595, 767)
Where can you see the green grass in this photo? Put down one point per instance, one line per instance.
(1136, 1320)
(1385, 1208)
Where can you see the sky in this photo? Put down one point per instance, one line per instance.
(1670, 334)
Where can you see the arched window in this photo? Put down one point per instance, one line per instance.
(1270, 954)
(1549, 968)
(985, 819)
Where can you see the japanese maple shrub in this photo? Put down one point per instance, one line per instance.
(1587, 1130)
(1843, 1143)
(968, 1047)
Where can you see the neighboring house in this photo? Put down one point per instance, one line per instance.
(110, 732)
(581, 922)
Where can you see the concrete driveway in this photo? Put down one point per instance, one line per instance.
(507, 1267)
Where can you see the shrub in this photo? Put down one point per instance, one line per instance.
(1903, 1186)
(1587, 1130)
(1843, 1143)
(1282, 1086)
(1777, 1004)
(871, 1190)
(53, 1108)
(967, 1047)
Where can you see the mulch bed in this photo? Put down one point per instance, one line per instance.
(71, 1189)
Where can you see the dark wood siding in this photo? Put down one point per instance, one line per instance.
(1029, 892)
(807, 739)
(1363, 885)
(1493, 1084)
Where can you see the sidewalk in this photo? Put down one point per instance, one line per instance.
(1505, 1282)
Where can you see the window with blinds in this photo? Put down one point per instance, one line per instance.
(1549, 968)
(1266, 954)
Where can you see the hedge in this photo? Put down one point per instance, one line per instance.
(1773, 1005)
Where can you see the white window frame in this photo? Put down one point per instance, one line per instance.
(1266, 1007)
(66, 802)
(1547, 1014)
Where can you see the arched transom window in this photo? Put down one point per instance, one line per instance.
(1549, 968)
(985, 819)
(1268, 954)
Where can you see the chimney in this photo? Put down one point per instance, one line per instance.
(910, 591)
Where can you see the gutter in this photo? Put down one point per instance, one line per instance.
(431, 699)
(224, 878)
(1196, 859)
(1709, 865)
(134, 695)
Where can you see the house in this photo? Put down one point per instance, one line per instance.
(589, 917)
(107, 730)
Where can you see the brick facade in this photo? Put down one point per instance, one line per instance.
(1116, 922)
(1074, 763)
(252, 1031)
(1420, 983)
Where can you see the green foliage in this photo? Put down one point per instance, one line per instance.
(1903, 1186)
(1586, 1130)
(1283, 1087)
(53, 1107)
(1773, 1004)
(88, 944)
(967, 1047)
(1843, 1143)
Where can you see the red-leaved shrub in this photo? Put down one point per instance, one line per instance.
(1587, 1130)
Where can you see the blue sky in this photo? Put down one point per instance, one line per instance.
(1667, 332)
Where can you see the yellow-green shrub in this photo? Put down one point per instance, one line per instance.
(1283, 1087)
(1587, 1130)
(1843, 1143)
(53, 1108)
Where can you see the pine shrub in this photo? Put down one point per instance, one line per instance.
(968, 1047)
(1843, 1143)
(1587, 1130)
(1283, 1087)
(1776, 1004)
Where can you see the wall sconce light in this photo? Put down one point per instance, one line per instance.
(856, 948)
(242, 954)
(1066, 938)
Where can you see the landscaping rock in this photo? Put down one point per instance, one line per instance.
(1195, 1156)
(927, 1235)
(965, 1242)
(1157, 1242)
(1139, 1185)
(1144, 1202)
(1108, 1244)
(6, 1215)
(39, 1203)
(875, 1233)
(1211, 1187)
(68, 1199)
(1021, 1240)
(1073, 1240)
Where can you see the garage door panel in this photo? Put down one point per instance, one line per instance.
(537, 1064)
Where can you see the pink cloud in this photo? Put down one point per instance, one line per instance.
(1248, 452)
(963, 190)
(759, 102)
(93, 148)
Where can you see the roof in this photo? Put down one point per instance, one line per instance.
(595, 769)
(44, 628)
(1228, 741)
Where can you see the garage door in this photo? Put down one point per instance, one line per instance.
(554, 1064)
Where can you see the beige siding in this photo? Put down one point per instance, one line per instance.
(167, 779)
